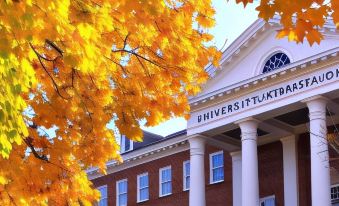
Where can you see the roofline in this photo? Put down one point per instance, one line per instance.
(247, 83)
(239, 42)
(153, 134)
(250, 33)
(173, 135)
(163, 148)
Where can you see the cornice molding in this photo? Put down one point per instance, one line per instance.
(254, 82)
(250, 36)
(143, 155)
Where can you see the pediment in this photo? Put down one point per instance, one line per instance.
(246, 56)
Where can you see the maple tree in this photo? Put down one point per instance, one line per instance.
(74, 66)
(300, 19)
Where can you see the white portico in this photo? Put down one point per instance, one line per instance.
(268, 90)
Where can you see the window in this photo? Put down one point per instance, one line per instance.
(267, 201)
(122, 192)
(217, 167)
(143, 192)
(165, 181)
(103, 197)
(125, 144)
(275, 62)
(186, 175)
(335, 194)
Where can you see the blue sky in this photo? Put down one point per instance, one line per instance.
(231, 20)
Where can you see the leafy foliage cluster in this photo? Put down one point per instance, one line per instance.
(300, 19)
(75, 66)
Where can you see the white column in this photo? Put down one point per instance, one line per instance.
(197, 175)
(320, 173)
(236, 179)
(290, 171)
(250, 180)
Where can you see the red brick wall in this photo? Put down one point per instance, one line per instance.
(270, 179)
(271, 176)
(216, 194)
(304, 170)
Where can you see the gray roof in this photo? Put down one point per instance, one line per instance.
(151, 138)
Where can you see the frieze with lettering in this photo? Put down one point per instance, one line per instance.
(278, 92)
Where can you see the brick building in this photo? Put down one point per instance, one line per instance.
(256, 135)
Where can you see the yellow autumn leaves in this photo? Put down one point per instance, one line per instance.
(16, 77)
(70, 67)
(301, 19)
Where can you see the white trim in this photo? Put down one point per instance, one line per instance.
(160, 181)
(184, 175)
(138, 187)
(226, 120)
(267, 55)
(118, 192)
(100, 187)
(266, 198)
(122, 144)
(252, 82)
(143, 155)
(211, 166)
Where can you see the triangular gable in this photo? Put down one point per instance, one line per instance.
(246, 56)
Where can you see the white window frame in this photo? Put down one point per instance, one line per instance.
(138, 187)
(211, 166)
(334, 200)
(118, 192)
(261, 200)
(160, 181)
(184, 175)
(98, 188)
(122, 144)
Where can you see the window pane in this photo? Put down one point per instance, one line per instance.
(166, 188)
(123, 200)
(187, 182)
(103, 202)
(217, 160)
(187, 168)
(127, 144)
(335, 193)
(122, 187)
(269, 202)
(103, 192)
(166, 175)
(144, 194)
(218, 174)
(143, 181)
(275, 62)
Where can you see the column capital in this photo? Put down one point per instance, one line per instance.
(316, 103)
(236, 156)
(315, 98)
(289, 139)
(197, 138)
(248, 128)
(247, 121)
(317, 107)
(197, 144)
